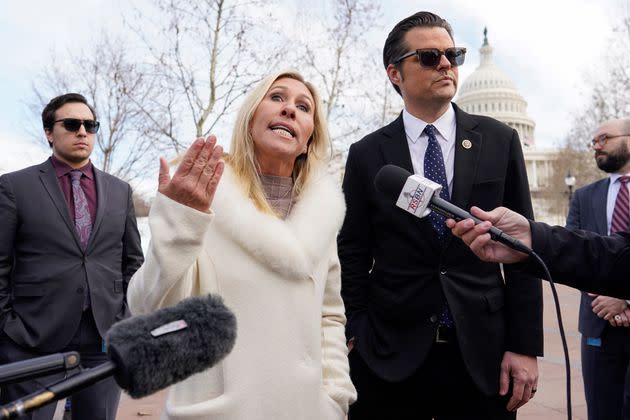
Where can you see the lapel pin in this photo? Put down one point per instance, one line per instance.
(466, 144)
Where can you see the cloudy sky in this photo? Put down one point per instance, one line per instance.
(549, 48)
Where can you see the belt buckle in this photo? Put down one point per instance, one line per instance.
(443, 337)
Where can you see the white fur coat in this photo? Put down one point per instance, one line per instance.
(282, 280)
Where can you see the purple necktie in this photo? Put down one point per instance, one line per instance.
(621, 213)
(435, 171)
(82, 219)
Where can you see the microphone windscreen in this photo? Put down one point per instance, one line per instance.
(390, 180)
(156, 350)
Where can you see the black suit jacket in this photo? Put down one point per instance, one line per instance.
(43, 268)
(582, 259)
(396, 274)
(588, 212)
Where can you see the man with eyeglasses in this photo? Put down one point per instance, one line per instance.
(603, 207)
(432, 331)
(69, 245)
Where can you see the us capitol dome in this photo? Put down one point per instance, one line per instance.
(489, 91)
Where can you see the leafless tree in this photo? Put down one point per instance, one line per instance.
(175, 78)
(204, 55)
(191, 62)
(345, 69)
(104, 73)
(608, 98)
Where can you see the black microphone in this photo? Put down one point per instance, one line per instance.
(416, 195)
(150, 352)
(24, 370)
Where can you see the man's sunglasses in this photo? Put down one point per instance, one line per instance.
(73, 125)
(430, 57)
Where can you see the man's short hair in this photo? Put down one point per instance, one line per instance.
(48, 114)
(395, 44)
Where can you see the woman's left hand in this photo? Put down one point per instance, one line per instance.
(197, 176)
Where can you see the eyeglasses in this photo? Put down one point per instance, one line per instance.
(603, 139)
(74, 124)
(430, 57)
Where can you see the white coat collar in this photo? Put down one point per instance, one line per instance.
(292, 246)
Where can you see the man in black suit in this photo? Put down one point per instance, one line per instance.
(603, 319)
(433, 331)
(69, 244)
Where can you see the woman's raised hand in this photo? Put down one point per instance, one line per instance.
(197, 176)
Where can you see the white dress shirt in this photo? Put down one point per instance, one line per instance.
(418, 141)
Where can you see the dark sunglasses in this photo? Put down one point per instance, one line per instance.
(74, 125)
(430, 57)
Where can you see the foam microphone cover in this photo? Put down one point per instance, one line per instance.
(390, 180)
(146, 363)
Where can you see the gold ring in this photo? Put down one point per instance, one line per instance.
(617, 317)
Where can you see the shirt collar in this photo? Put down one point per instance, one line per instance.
(415, 126)
(614, 177)
(62, 168)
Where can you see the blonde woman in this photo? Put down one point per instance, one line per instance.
(258, 227)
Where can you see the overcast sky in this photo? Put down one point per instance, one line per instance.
(547, 47)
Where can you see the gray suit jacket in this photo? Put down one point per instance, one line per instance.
(588, 212)
(43, 268)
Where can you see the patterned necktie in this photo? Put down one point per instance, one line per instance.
(82, 219)
(435, 171)
(621, 214)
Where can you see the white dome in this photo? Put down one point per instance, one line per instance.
(488, 91)
(487, 76)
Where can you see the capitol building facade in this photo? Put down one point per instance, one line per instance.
(490, 92)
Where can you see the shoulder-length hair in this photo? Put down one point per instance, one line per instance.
(242, 158)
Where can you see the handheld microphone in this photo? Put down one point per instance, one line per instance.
(418, 196)
(24, 370)
(150, 352)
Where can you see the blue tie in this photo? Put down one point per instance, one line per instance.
(435, 171)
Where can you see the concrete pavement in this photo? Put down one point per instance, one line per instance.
(550, 400)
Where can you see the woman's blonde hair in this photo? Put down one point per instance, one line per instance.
(242, 158)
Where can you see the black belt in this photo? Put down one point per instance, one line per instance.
(445, 335)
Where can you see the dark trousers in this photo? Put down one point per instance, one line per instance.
(606, 374)
(440, 389)
(97, 402)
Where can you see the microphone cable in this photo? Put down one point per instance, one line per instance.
(563, 338)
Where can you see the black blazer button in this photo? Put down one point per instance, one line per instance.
(79, 290)
(433, 319)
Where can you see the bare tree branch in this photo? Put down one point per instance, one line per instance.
(108, 80)
(205, 58)
(608, 99)
(342, 65)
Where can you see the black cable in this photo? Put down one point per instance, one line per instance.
(563, 338)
